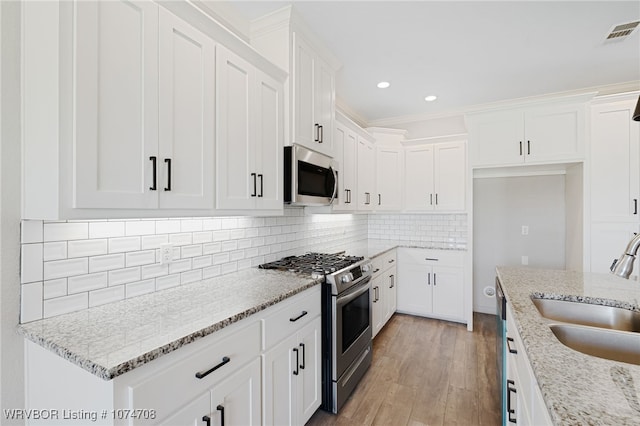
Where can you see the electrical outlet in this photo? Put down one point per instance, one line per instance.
(525, 260)
(525, 229)
(166, 253)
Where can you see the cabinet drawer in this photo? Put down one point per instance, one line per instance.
(178, 383)
(389, 259)
(432, 257)
(291, 317)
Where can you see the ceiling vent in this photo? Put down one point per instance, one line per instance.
(622, 31)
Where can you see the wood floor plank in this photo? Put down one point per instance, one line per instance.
(426, 372)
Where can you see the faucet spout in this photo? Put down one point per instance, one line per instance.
(624, 266)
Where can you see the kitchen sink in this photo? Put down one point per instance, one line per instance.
(621, 346)
(588, 314)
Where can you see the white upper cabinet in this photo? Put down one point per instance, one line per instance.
(116, 105)
(538, 134)
(366, 174)
(388, 178)
(144, 122)
(125, 122)
(284, 39)
(250, 138)
(435, 177)
(346, 146)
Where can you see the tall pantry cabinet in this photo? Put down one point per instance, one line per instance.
(614, 178)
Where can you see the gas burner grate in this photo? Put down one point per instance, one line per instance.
(313, 263)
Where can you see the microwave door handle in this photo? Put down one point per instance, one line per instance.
(335, 185)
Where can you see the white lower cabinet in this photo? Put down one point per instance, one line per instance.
(383, 289)
(525, 405)
(431, 283)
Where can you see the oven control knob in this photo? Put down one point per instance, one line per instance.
(366, 267)
(347, 278)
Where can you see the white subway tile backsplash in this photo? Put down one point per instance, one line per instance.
(155, 270)
(202, 261)
(123, 276)
(142, 227)
(180, 239)
(180, 266)
(191, 276)
(32, 231)
(154, 241)
(106, 229)
(124, 244)
(66, 231)
(211, 271)
(230, 267)
(66, 304)
(31, 263)
(139, 288)
(66, 268)
(211, 248)
(85, 248)
(167, 281)
(106, 295)
(192, 250)
(54, 251)
(31, 302)
(202, 237)
(171, 226)
(191, 225)
(220, 258)
(84, 283)
(106, 262)
(55, 288)
(136, 258)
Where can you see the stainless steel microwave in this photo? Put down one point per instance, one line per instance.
(310, 178)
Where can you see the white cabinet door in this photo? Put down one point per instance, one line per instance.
(279, 383)
(377, 303)
(116, 104)
(553, 134)
(414, 291)
(310, 377)
(186, 110)
(389, 294)
(447, 286)
(615, 163)
(497, 138)
(305, 131)
(419, 178)
(237, 182)
(193, 414)
(345, 148)
(388, 179)
(269, 136)
(324, 109)
(340, 203)
(450, 176)
(366, 165)
(237, 398)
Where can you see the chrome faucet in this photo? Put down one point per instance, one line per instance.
(624, 266)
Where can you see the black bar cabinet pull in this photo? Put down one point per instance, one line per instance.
(297, 370)
(207, 420)
(261, 185)
(154, 163)
(520, 147)
(221, 409)
(255, 186)
(168, 161)
(316, 128)
(321, 138)
(430, 199)
(511, 351)
(379, 199)
(298, 317)
(203, 374)
(393, 280)
(528, 147)
(635, 206)
(436, 198)
(303, 356)
(431, 258)
(510, 411)
(429, 278)
(434, 279)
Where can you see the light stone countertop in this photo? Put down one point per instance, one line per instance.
(111, 339)
(578, 389)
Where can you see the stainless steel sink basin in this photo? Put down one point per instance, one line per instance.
(602, 343)
(589, 314)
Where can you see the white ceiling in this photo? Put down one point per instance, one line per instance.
(467, 53)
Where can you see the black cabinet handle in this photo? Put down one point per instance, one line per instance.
(391, 260)
(303, 356)
(154, 162)
(298, 317)
(221, 409)
(349, 196)
(429, 278)
(321, 137)
(510, 411)
(207, 420)
(635, 206)
(528, 147)
(261, 185)
(376, 270)
(346, 196)
(511, 351)
(434, 279)
(255, 187)
(431, 258)
(436, 198)
(430, 199)
(316, 128)
(297, 370)
(168, 161)
(520, 147)
(393, 280)
(379, 199)
(367, 198)
(203, 374)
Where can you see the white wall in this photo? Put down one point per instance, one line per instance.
(501, 207)
(11, 346)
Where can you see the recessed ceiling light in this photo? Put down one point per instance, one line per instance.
(383, 85)
(431, 98)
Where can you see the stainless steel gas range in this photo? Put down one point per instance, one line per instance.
(346, 319)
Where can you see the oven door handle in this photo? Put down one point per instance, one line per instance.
(335, 185)
(341, 300)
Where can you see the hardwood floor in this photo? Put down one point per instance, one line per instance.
(426, 372)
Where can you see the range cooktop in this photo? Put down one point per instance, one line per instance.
(313, 263)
